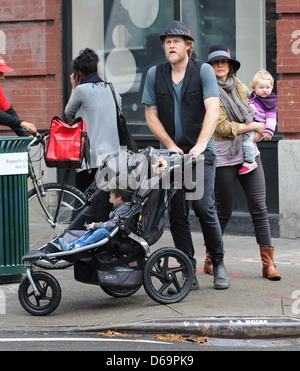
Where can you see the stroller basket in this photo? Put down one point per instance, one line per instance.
(128, 279)
(120, 276)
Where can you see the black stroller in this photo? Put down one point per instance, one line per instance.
(122, 262)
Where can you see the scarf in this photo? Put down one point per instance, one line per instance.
(266, 103)
(236, 110)
(94, 79)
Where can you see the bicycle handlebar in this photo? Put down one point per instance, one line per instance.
(38, 136)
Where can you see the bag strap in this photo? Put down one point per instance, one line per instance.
(119, 112)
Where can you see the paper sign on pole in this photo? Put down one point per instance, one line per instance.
(13, 163)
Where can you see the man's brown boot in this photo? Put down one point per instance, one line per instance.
(269, 268)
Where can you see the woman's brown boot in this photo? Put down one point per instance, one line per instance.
(208, 267)
(269, 268)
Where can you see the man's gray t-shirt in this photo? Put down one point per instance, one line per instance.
(209, 86)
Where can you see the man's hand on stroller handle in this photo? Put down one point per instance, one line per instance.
(197, 150)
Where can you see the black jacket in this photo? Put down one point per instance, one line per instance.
(192, 104)
(10, 118)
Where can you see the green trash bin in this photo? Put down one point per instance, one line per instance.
(14, 224)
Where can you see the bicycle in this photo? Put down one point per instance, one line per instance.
(52, 206)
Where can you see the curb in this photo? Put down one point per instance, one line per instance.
(231, 328)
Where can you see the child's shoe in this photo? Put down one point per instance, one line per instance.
(52, 248)
(247, 167)
(65, 246)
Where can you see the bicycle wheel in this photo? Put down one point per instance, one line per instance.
(41, 231)
(168, 267)
(49, 294)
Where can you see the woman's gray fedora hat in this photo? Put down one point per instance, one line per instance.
(177, 28)
(220, 51)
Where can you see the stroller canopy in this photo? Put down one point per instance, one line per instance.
(154, 175)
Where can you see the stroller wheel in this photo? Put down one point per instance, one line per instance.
(168, 267)
(49, 294)
(116, 292)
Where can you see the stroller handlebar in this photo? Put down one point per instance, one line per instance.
(187, 160)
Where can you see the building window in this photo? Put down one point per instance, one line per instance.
(132, 45)
(210, 23)
(125, 34)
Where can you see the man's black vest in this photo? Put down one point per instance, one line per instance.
(192, 104)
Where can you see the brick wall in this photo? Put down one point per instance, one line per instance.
(30, 42)
(288, 64)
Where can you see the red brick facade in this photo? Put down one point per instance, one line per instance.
(31, 36)
(288, 64)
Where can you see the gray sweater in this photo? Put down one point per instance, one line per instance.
(114, 216)
(95, 103)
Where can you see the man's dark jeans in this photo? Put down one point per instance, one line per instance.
(206, 212)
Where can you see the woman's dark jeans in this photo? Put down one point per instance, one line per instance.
(254, 187)
(206, 212)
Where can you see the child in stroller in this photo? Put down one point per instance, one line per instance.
(120, 196)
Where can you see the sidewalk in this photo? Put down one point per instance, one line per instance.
(252, 307)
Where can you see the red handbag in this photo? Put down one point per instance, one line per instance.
(67, 144)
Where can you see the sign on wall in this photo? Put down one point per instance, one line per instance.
(13, 163)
